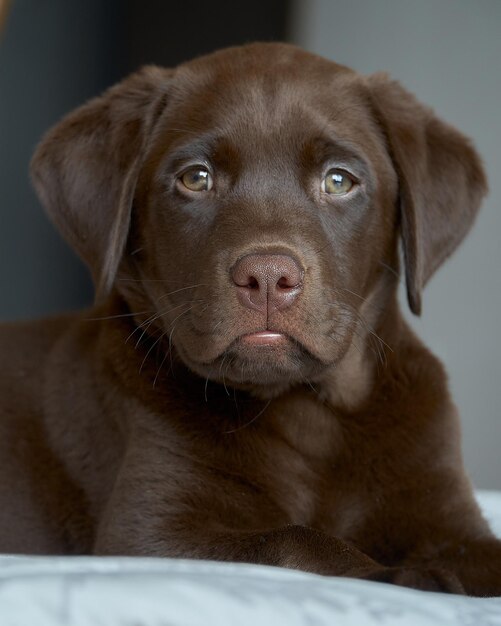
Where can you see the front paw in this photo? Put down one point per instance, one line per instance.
(424, 579)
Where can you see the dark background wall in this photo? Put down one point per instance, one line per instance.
(55, 54)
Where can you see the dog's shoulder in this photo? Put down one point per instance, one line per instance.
(25, 346)
(23, 341)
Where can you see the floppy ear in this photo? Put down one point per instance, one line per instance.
(85, 169)
(441, 181)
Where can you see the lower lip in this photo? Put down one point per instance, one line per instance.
(265, 338)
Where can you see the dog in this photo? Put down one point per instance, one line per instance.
(245, 387)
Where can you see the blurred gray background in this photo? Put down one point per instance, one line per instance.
(54, 54)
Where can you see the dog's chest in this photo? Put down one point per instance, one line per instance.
(297, 459)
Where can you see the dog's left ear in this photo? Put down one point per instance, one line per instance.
(85, 169)
(441, 181)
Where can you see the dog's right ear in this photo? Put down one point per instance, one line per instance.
(86, 168)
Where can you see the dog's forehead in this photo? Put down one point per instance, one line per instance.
(266, 86)
(258, 59)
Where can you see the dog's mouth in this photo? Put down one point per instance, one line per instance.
(262, 358)
(263, 339)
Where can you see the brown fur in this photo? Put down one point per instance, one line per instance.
(146, 426)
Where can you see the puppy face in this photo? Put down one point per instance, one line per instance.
(255, 197)
(265, 216)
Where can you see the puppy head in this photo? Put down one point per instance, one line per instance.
(255, 197)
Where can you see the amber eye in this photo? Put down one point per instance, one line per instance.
(197, 179)
(337, 182)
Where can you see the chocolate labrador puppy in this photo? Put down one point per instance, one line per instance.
(245, 387)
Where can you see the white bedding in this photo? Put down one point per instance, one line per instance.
(92, 591)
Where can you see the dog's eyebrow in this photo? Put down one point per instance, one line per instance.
(197, 149)
(334, 146)
(327, 150)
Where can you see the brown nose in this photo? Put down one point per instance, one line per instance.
(267, 282)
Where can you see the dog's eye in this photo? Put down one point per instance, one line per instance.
(197, 179)
(337, 182)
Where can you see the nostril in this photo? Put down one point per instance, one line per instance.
(288, 282)
(248, 281)
(252, 283)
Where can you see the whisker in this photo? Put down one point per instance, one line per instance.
(186, 130)
(377, 343)
(206, 385)
(380, 339)
(167, 352)
(236, 402)
(228, 432)
(353, 293)
(392, 270)
(152, 280)
(221, 374)
(113, 317)
(220, 322)
(148, 322)
(150, 349)
(140, 326)
(172, 333)
(166, 295)
(311, 386)
(365, 300)
(146, 327)
(362, 319)
(226, 371)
